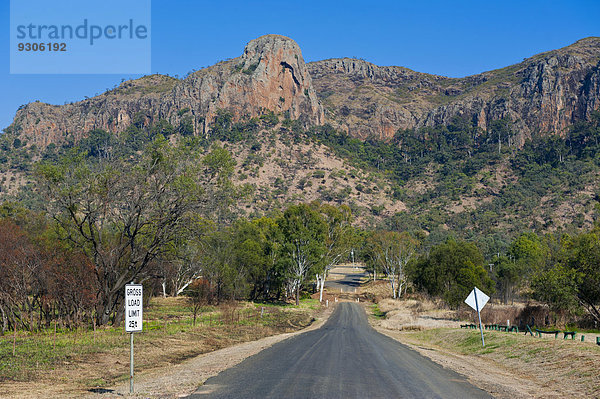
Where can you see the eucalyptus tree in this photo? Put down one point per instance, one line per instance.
(576, 279)
(339, 239)
(304, 234)
(451, 270)
(525, 255)
(217, 168)
(257, 247)
(123, 213)
(184, 260)
(392, 251)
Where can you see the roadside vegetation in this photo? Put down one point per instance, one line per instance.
(557, 366)
(159, 206)
(169, 337)
(510, 365)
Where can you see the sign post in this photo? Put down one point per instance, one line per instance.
(134, 294)
(131, 363)
(477, 300)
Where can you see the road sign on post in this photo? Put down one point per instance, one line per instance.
(477, 300)
(134, 295)
(133, 307)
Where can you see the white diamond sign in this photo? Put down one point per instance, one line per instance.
(477, 299)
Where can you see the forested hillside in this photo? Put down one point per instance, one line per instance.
(480, 185)
(259, 197)
(456, 180)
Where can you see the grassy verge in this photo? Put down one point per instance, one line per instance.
(100, 357)
(510, 365)
(561, 364)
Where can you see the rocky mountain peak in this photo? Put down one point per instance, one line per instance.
(275, 56)
(271, 44)
(270, 76)
(545, 93)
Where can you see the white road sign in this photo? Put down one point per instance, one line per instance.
(482, 299)
(133, 307)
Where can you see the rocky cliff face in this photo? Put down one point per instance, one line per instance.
(545, 93)
(270, 76)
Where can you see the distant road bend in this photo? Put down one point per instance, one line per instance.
(346, 358)
(344, 279)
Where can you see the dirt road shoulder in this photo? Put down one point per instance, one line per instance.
(184, 378)
(486, 374)
(510, 365)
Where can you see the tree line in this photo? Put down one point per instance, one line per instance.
(165, 217)
(164, 214)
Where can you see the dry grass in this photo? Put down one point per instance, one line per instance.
(169, 338)
(415, 314)
(494, 313)
(510, 365)
(375, 291)
(554, 368)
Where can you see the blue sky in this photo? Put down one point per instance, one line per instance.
(452, 38)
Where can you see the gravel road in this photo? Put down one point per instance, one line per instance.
(346, 358)
(344, 279)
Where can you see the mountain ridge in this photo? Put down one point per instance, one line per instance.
(543, 94)
(273, 113)
(269, 75)
(367, 100)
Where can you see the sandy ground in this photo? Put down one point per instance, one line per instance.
(183, 379)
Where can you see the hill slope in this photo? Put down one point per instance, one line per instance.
(477, 157)
(544, 93)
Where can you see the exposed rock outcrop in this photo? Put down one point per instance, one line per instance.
(545, 93)
(270, 76)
